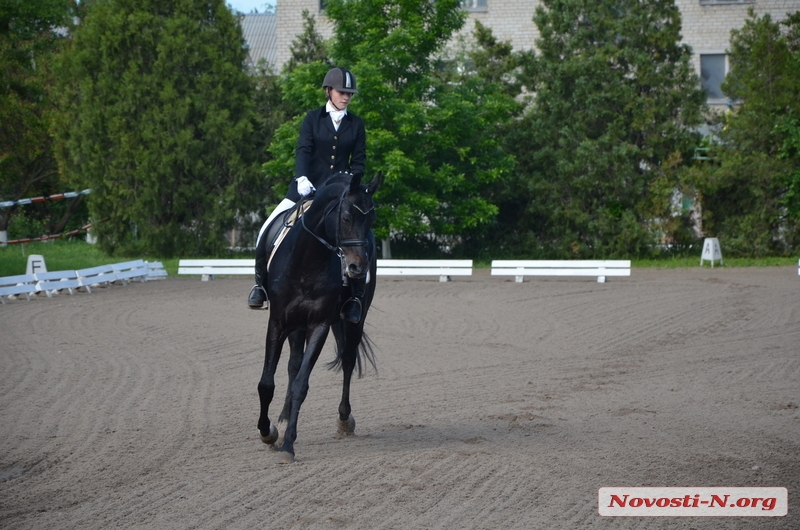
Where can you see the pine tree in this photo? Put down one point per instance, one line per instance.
(616, 99)
(309, 46)
(31, 36)
(751, 191)
(158, 121)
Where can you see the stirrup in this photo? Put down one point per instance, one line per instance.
(255, 290)
(360, 308)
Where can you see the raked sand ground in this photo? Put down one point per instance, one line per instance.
(497, 405)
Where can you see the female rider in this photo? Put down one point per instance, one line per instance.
(331, 140)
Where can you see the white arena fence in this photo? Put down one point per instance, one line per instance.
(72, 281)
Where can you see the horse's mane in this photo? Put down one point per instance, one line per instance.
(337, 178)
(331, 188)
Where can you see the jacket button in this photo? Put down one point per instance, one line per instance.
(335, 137)
(331, 167)
(332, 157)
(334, 148)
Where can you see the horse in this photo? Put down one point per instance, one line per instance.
(332, 240)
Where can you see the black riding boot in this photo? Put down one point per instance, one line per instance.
(352, 308)
(258, 294)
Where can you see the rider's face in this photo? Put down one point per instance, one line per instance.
(340, 99)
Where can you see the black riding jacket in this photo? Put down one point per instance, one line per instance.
(323, 151)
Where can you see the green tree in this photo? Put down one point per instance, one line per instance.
(616, 99)
(158, 120)
(432, 140)
(485, 73)
(751, 191)
(31, 35)
(293, 93)
(494, 61)
(309, 46)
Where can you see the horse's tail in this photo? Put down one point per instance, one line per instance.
(364, 354)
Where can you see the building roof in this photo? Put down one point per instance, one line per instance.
(260, 34)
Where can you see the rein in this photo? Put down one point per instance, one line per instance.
(343, 242)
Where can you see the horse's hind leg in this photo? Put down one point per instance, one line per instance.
(266, 386)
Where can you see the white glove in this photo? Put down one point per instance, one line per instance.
(304, 186)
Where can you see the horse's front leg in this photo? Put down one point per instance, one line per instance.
(299, 388)
(266, 386)
(297, 340)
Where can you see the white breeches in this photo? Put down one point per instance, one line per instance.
(282, 207)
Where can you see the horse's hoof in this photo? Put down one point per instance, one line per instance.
(346, 428)
(285, 457)
(272, 437)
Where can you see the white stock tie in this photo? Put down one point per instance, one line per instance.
(336, 117)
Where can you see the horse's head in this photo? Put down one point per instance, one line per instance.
(350, 220)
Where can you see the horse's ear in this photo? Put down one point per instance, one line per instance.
(375, 184)
(355, 182)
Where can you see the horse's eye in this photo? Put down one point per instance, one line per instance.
(347, 218)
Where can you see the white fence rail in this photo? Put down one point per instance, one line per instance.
(598, 268)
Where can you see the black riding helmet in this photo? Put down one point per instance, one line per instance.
(340, 79)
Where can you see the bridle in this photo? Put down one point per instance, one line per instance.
(337, 248)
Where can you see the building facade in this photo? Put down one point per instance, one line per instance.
(706, 28)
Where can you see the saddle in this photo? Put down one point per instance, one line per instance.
(281, 225)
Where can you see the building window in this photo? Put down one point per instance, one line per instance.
(713, 68)
(322, 5)
(474, 5)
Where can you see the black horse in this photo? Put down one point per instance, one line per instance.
(331, 241)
